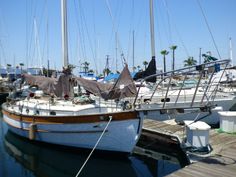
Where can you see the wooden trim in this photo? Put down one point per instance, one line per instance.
(118, 116)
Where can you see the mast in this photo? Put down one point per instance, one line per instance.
(64, 33)
(231, 51)
(200, 55)
(116, 52)
(152, 30)
(133, 50)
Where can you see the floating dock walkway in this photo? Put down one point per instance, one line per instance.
(220, 162)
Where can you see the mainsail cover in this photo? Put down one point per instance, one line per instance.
(151, 70)
(123, 87)
(59, 87)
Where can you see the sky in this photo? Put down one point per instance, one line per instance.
(30, 31)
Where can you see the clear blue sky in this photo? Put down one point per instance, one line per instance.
(92, 30)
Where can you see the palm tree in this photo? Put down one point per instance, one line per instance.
(145, 63)
(106, 71)
(164, 53)
(86, 66)
(190, 62)
(173, 48)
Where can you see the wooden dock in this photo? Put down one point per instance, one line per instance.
(220, 162)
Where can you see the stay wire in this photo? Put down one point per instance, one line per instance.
(177, 31)
(208, 27)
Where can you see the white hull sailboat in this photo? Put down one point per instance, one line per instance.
(67, 121)
(81, 130)
(57, 117)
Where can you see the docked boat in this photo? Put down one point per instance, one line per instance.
(52, 113)
(180, 103)
(71, 121)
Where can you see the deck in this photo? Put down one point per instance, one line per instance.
(220, 162)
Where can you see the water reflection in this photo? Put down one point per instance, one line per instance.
(44, 160)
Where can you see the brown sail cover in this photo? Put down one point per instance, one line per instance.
(59, 87)
(123, 87)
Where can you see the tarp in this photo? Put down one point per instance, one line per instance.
(111, 76)
(151, 69)
(59, 87)
(123, 87)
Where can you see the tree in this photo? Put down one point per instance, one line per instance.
(190, 62)
(208, 58)
(91, 71)
(173, 48)
(164, 53)
(86, 66)
(106, 71)
(145, 63)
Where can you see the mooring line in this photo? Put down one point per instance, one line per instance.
(110, 118)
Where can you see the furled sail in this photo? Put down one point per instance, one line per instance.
(151, 69)
(123, 87)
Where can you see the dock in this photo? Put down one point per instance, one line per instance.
(221, 161)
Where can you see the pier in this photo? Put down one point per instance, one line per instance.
(221, 161)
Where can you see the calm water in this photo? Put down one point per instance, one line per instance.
(23, 158)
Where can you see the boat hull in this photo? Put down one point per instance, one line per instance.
(120, 136)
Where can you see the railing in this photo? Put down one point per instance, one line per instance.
(211, 67)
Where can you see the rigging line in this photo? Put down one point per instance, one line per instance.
(131, 30)
(80, 31)
(208, 27)
(31, 17)
(3, 23)
(89, 39)
(158, 27)
(178, 33)
(111, 45)
(162, 19)
(26, 36)
(44, 13)
(3, 52)
(95, 33)
(108, 123)
(113, 31)
(168, 21)
(113, 25)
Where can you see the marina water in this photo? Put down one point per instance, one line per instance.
(20, 157)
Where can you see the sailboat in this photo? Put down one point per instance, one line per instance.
(60, 119)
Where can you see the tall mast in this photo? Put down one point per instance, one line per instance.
(152, 29)
(64, 33)
(116, 52)
(231, 51)
(133, 50)
(200, 56)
